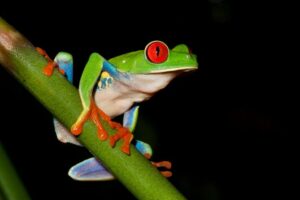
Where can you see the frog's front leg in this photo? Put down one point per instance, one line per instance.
(88, 80)
(51, 65)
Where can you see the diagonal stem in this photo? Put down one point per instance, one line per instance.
(11, 187)
(20, 58)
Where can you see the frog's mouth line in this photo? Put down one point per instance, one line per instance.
(181, 69)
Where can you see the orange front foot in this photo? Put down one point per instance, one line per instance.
(93, 115)
(49, 68)
(122, 132)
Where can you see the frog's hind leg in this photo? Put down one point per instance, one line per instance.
(93, 170)
(146, 150)
(130, 121)
(90, 170)
(64, 61)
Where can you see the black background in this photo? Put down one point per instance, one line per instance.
(228, 128)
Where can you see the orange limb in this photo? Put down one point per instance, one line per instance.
(49, 68)
(166, 174)
(93, 115)
(122, 132)
(165, 164)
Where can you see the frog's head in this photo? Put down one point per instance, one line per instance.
(156, 58)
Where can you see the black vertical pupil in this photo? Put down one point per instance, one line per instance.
(157, 50)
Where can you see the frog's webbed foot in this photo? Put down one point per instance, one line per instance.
(93, 113)
(122, 133)
(51, 65)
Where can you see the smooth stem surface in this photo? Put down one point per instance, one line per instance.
(19, 57)
(11, 187)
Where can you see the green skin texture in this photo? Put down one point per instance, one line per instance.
(137, 63)
(62, 100)
(179, 58)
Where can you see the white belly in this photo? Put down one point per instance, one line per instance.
(118, 98)
(122, 94)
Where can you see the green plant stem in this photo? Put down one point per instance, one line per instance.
(61, 98)
(11, 187)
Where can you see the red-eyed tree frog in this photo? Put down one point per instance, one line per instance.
(109, 88)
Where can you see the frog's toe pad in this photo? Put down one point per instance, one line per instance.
(144, 148)
(90, 170)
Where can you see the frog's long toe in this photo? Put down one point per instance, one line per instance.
(92, 114)
(122, 133)
(48, 69)
(166, 174)
(165, 164)
(102, 134)
(146, 150)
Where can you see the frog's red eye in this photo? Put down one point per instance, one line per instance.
(157, 52)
